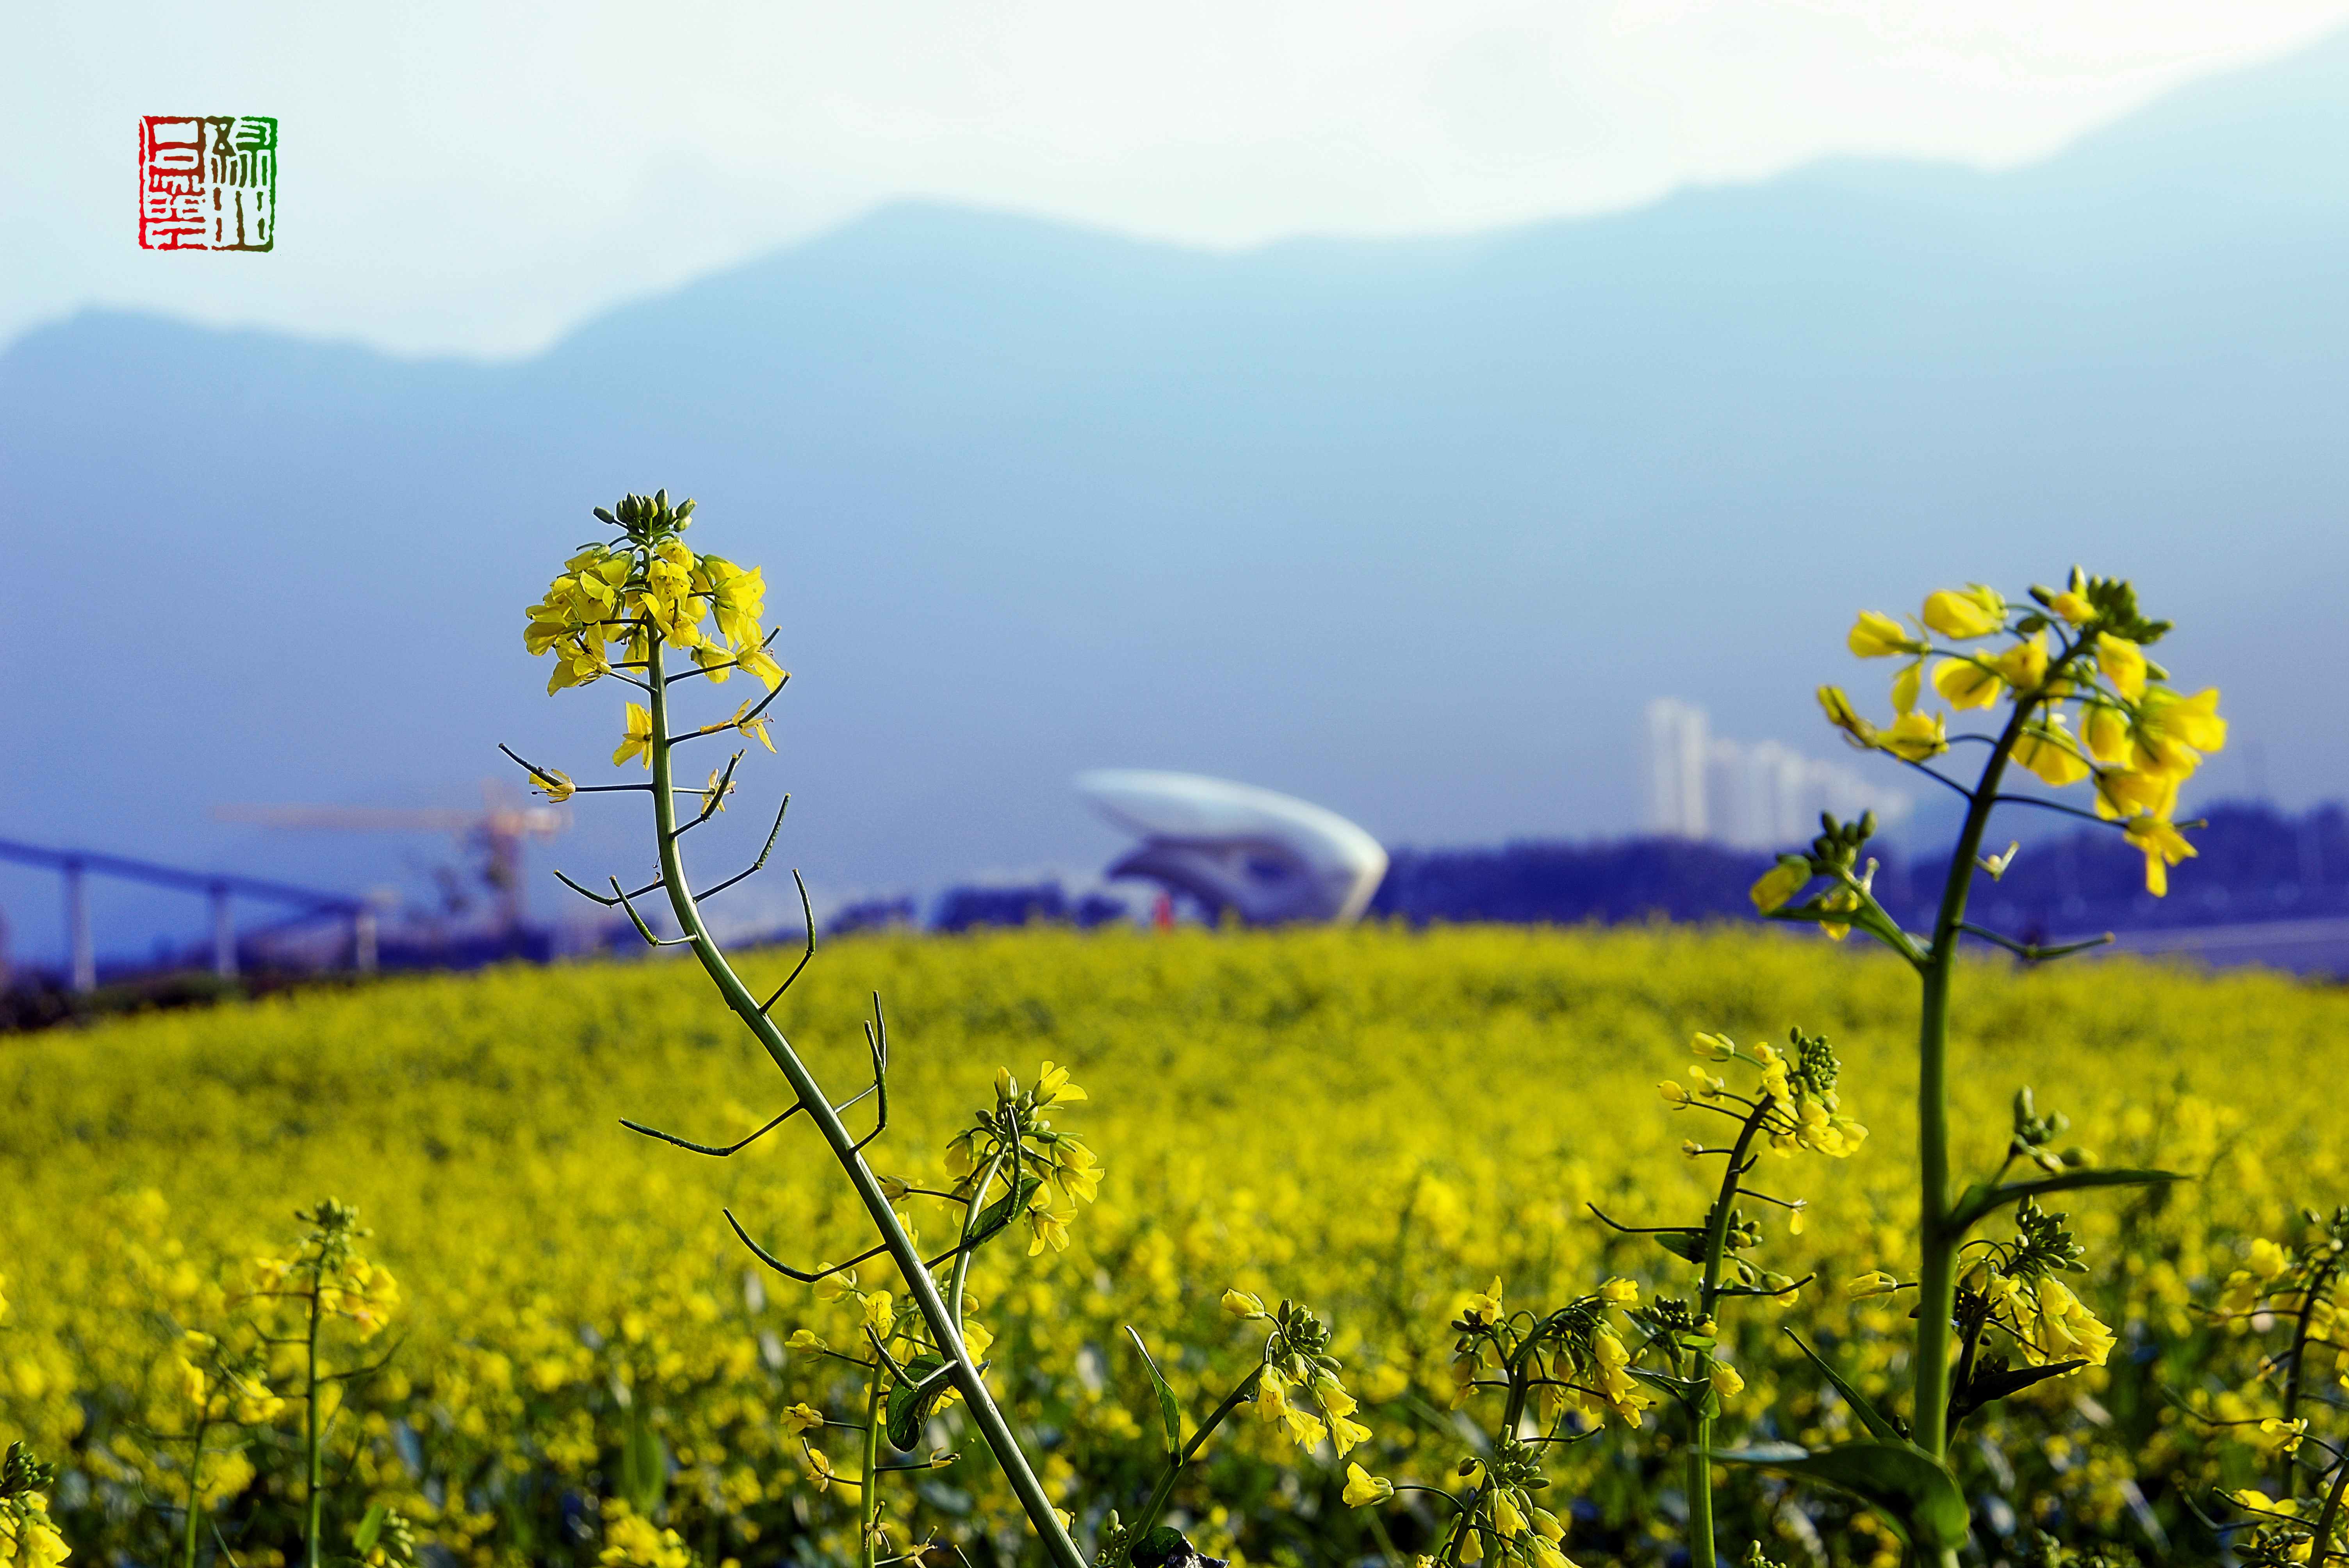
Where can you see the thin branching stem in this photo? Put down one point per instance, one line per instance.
(2032, 952)
(944, 1332)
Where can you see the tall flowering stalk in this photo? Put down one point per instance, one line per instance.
(1791, 1104)
(643, 608)
(1559, 1375)
(325, 1283)
(221, 1383)
(2083, 703)
(2299, 1289)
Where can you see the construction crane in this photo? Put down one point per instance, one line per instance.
(499, 831)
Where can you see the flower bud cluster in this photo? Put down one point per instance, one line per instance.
(1795, 1093)
(27, 1538)
(1298, 1387)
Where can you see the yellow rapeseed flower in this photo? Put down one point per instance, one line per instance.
(758, 662)
(637, 741)
(1271, 1395)
(1780, 883)
(1916, 736)
(1906, 687)
(2106, 731)
(1364, 1489)
(753, 726)
(553, 783)
(2172, 731)
(1877, 636)
(2024, 666)
(2163, 847)
(2046, 749)
(2123, 663)
(1053, 1088)
(2122, 793)
(1975, 613)
(1050, 1228)
(1843, 901)
(827, 1478)
(1844, 717)
(1965, 683)
(1483, 1308)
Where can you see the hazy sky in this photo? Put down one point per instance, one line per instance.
(477, 176)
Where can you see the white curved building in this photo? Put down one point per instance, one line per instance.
(1267, 857)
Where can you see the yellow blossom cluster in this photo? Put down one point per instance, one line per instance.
(1796, 1093)
(2089, 706)
(1378, 1120)
(1298, 1387)
(632, 1541)
(28, 1537)
(648, 585)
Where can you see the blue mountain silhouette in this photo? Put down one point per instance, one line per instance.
(1410, 528)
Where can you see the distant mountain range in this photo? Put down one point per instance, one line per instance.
(1410, 529)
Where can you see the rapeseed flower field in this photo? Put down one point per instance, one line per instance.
(548, 1346)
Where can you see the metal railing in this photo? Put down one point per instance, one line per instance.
(76, 865)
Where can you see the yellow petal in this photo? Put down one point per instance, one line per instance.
(1976, 613)
(2123, 664)
(1964, 684)
(1875, 636)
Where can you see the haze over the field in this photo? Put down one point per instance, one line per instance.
(476, 177)
(1410, 527)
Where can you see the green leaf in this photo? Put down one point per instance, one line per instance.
(1169, 1411)
(644, 1466)
(363, 1539)
(1878, 1424)
(1003, 1210)
(1690, 1392)
(1915, 1496)
(1981, 1199)
(1992, 1383)
(1691, 1247)
(910, 1403)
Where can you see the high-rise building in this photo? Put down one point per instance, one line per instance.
(1675, 759)
(1752, 795)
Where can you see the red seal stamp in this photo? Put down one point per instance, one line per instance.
(207, 183)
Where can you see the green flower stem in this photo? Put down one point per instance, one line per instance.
(1164, 1490)
(1939, 1236)
(2319, 1284)
(315, 1439)
(2328, 1520)
(995, 1432)
(1937, 1229)
(868, 1545)
(1702, 1553)
(970, 1223)
(195, 1485)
